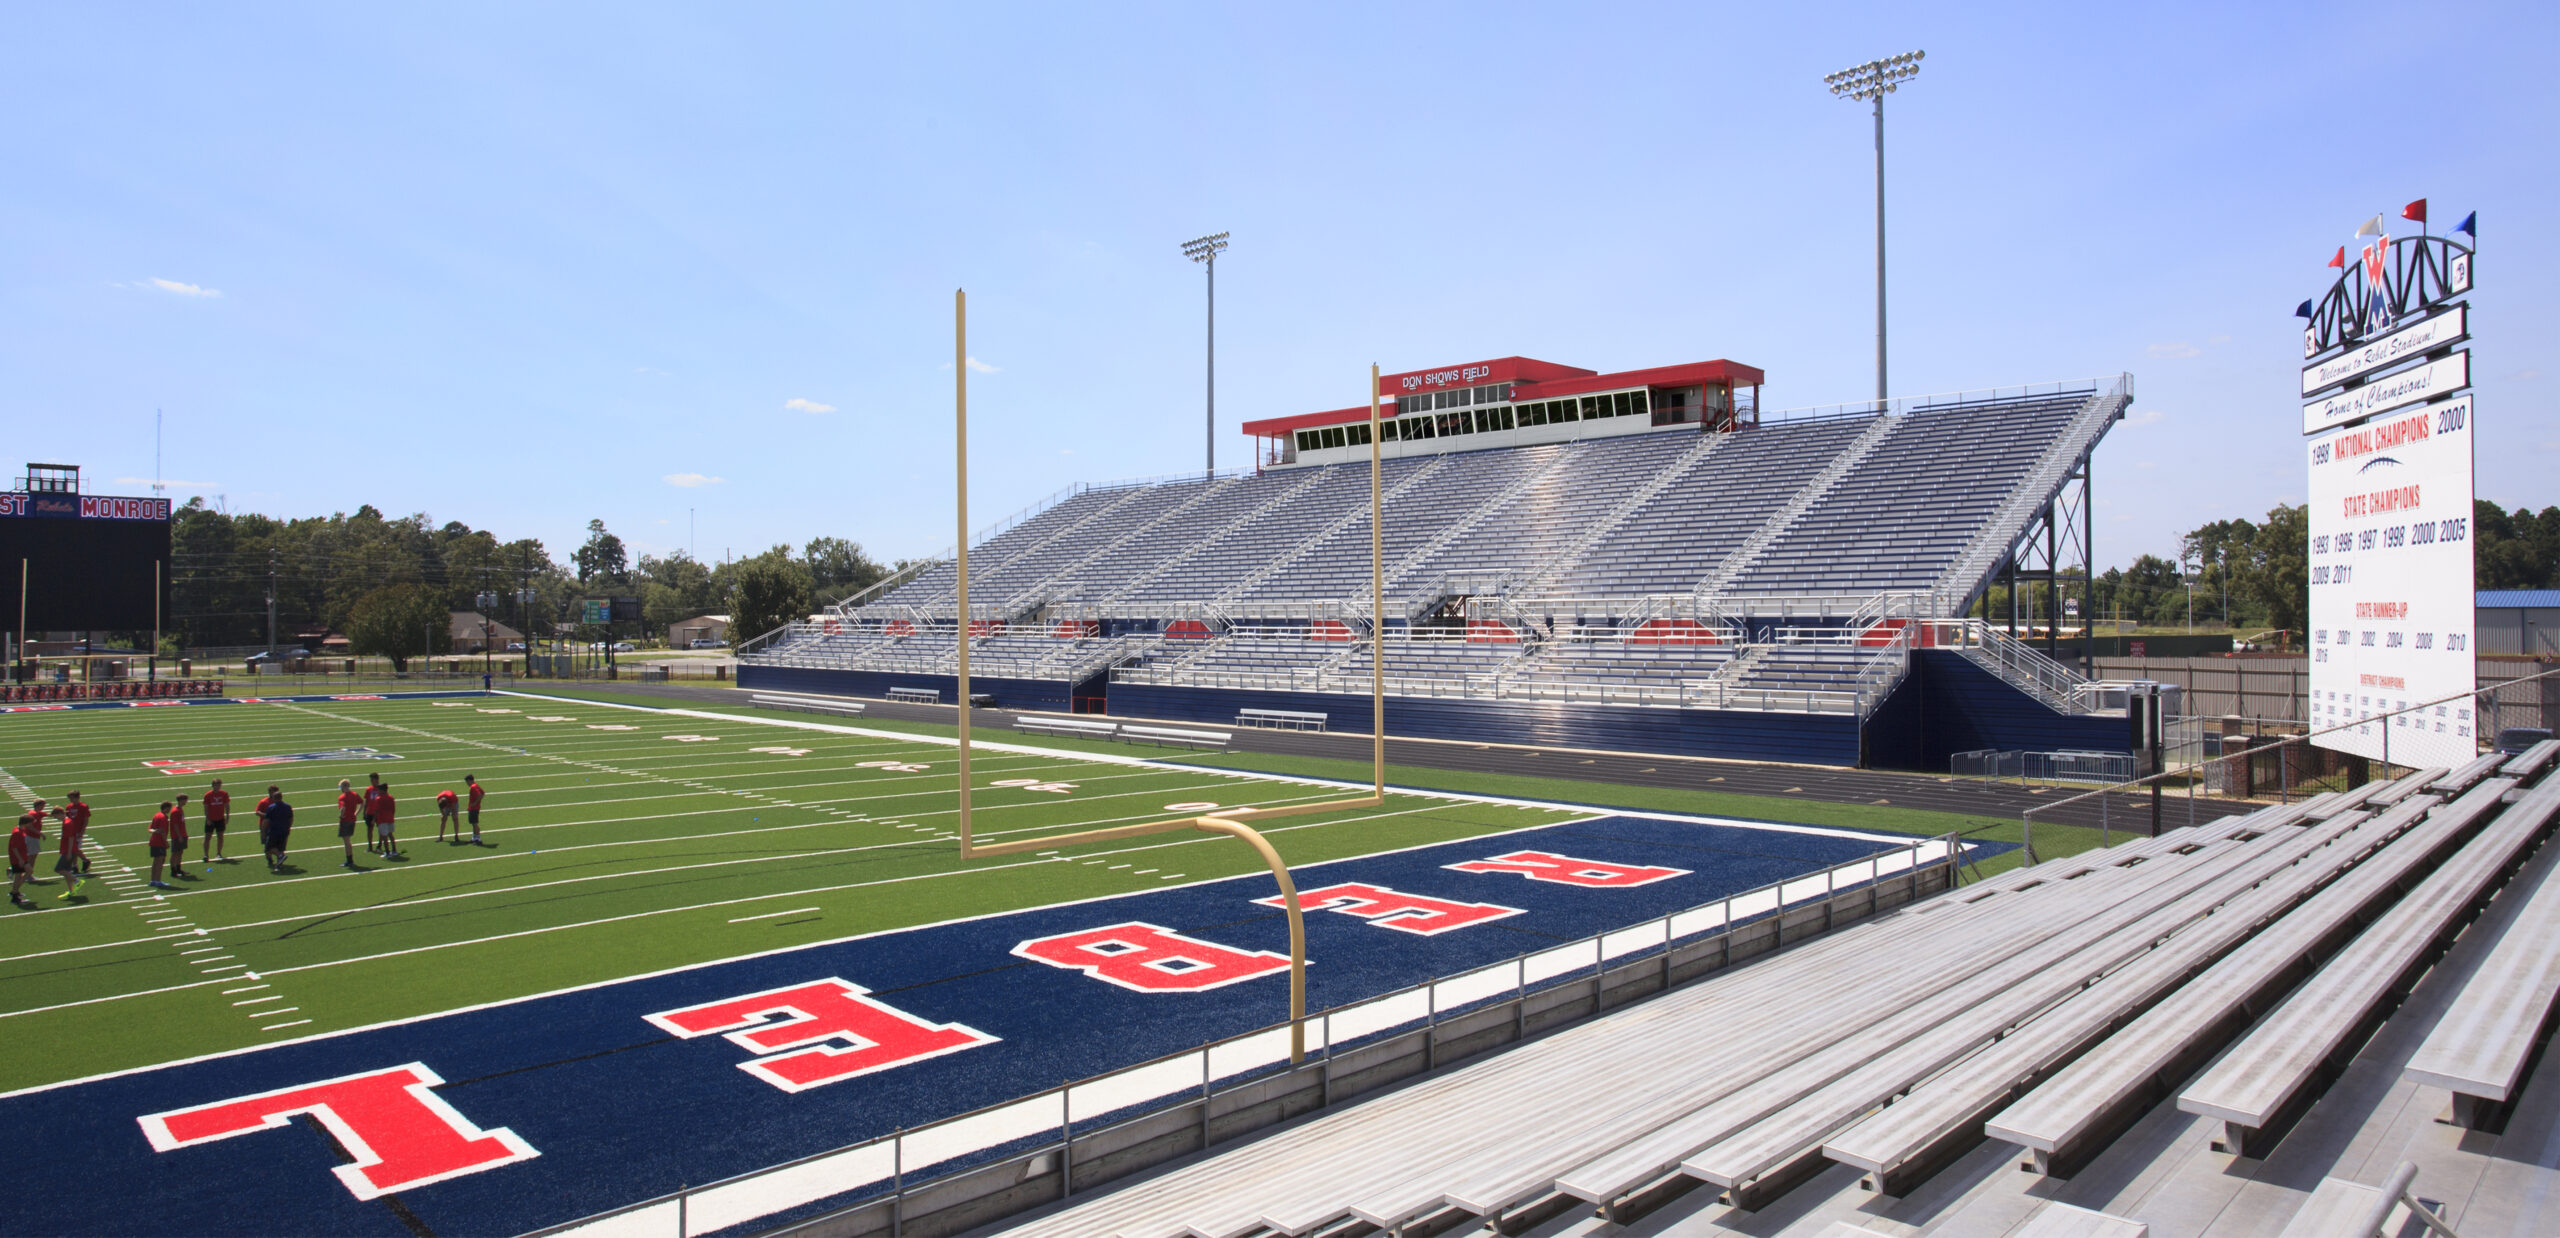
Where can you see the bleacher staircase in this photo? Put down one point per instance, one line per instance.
(1321, 540)
(1663, 479)
(1813, 492)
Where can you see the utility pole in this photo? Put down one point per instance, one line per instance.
(271, 606)
(1873, 81)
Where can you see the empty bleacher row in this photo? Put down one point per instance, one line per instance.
(2229, 971)
(1909, 505)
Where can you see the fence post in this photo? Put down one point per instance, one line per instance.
(1204, 1098)
(680, 1222)
(1066, 1143)
(898, 1183)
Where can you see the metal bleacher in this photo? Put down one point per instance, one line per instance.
(1841, 517)
(2229, 970)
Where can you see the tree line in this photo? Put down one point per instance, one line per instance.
(2256, 575)
(389, 584)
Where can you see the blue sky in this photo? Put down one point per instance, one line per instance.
(522, 266)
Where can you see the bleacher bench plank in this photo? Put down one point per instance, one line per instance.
(2066, 1118)
(2530, 761)
(2064, 1221)
(1939, 1121)
(2267, 1080)
(2481, 1046)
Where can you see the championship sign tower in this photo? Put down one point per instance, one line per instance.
(2387, 420)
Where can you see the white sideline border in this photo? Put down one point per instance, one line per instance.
(1588, 812)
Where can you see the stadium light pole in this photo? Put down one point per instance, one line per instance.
(1205, 250)
(1873, 81)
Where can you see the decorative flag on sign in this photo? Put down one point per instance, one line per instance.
(2339, 260)
(2370, 227)
(2303, 310)
(2469, 225)
(2416, 210)
(2377, 293)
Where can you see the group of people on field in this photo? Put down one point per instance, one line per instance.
(373, 807)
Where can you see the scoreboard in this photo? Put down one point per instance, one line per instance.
(2391, 579)
(84, 562)
(2388, 420)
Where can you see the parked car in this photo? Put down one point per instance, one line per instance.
(515, 646)
(624, 646)
(707, 643)
(263, 657)
(2516, 739)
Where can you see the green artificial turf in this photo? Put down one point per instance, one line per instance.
(610, 853)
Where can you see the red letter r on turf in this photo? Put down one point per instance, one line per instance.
(880, 1036)
(401, 1134)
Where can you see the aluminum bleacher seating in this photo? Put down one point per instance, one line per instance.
(1896, 1045)
(1554, 540)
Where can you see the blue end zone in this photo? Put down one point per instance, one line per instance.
(619, 1110)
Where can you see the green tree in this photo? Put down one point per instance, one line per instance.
(399, 622)
(2515, 550)
(838, 569)
(2278, 577)
(602, 560)
(772, 590)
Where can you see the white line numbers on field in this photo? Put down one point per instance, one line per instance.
(1034, 784)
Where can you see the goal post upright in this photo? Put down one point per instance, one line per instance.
(1227, 821)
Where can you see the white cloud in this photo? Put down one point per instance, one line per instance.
(2144, 464)
(691, 481)
(184, 290)
(2144, 417)
(171, 482)
(798, 405)
(2175, 350)
(2219, 339)
(975, 364)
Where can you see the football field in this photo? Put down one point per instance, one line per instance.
(691, 945)
(615, 842)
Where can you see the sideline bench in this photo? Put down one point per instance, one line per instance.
(809, 704)
(2273, 1075)
(916, 696)
(1282, 719)
(1077, 727)
(2487, 1040)
(1162, 736)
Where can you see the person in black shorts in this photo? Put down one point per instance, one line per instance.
(275, 827)
(217, 825)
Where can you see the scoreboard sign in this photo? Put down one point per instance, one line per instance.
(2391, 605)
(84, 562)
(2388, 420)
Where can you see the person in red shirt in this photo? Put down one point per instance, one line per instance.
(384, 810)
(349, 804)
(372, 823)
(178, 840)
(23, 842)
(448, 810)
(159, 844)
(71, 861)
(474, 806)
(217, 824)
